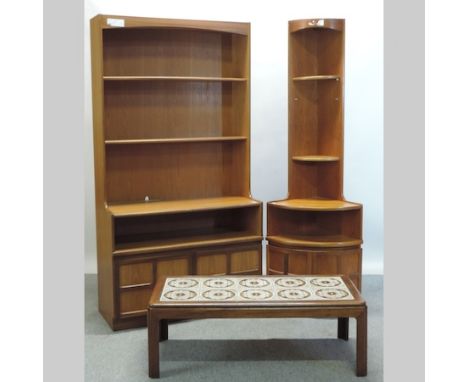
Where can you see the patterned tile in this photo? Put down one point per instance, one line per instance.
(255, 288)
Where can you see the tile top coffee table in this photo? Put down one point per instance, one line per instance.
(192, 297)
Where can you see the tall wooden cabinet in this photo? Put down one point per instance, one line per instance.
(315, 230)
(171, 114)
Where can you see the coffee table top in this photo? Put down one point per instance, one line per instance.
(255, 290)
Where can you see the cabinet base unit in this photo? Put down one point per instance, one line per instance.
(289, 261)
(136, 275)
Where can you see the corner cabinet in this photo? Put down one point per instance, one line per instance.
(315, 230)
(171, 115)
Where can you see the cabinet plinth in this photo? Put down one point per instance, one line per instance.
(171, 116)
(315, 230)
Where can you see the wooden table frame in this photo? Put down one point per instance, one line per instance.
(160, 312)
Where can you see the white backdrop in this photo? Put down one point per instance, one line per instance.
(363, 180)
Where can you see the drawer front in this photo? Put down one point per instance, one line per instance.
(136, 274)
(134, 301)
(300, 262)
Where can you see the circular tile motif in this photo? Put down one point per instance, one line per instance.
(218, 283)
(218, 294)
(183, 283)
(180, 295)
(325, 282)
(254, 283)
(332, 294)
(256, 294)
(289, 282)
(293, 294)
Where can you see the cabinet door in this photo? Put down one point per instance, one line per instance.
(276, 260)
(213, 262)
(246, 260)
(321, 262)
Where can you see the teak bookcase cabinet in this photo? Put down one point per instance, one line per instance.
(315, 231)
(171, 106)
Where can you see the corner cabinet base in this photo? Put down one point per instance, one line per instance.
(293, 261)
(136, 275)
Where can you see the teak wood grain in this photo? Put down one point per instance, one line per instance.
(315, 230)
(171, 115)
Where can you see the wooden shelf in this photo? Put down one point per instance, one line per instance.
(316, 205)
(322, 241)
(316, 78)
(315, 158)
(174, 140)
(185, 240)
(173, 78)
(180, 206)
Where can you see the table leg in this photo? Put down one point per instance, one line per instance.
(153, 343)
(361, 344)
(163, 331)
(343, 328)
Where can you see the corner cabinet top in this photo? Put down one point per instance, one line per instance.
(112, 21)
(333, 24)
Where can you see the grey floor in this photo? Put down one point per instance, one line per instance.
(235, 350)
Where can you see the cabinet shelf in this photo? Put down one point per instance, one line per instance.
(173, 78)
(180, 206)
(174, 140)
(315, 158)
(317, 78)
(315, 241)
(186, 240)
(316, 205)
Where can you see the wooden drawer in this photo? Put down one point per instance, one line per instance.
(137, 277)
(300, 262)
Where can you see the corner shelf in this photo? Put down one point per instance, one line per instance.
(173, 78)
(316, 78)
(174, 140)
(180, 206)
(314, 231)
(315, 158)
(315, 241)
(316, 205)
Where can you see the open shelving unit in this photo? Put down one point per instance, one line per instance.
(171, 115)
(315, 230)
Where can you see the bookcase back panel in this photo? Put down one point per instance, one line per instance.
(315, 180)
(316, 51)
(175, 171)
(315, 118)
(173, 52)
(174, 109)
